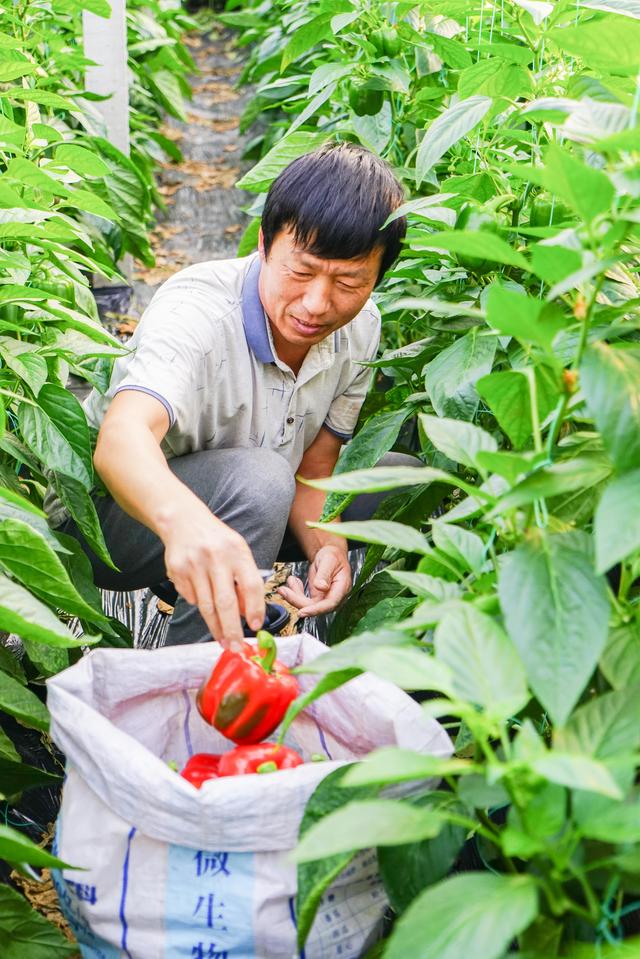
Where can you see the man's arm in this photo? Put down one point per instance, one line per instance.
(210, 564)
(329, 569)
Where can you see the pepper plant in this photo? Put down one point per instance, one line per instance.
(509, 594)
(70, 205)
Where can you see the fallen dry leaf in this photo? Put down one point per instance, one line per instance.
(218, 126)
(171, 133)
(169, 189)
(234, 228)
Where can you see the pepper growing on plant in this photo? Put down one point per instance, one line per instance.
(386, 41)
(475, 220)
(545, 210)
(258, 758)
(247, 695)
(363, 100)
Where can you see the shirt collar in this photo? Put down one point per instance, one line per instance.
(253, 316)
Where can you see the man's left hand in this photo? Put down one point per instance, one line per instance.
(329, 583)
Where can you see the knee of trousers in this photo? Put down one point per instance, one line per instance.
(268, 484)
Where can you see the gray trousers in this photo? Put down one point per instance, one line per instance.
(250, 490)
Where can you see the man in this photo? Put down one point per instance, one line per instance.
(245, 372)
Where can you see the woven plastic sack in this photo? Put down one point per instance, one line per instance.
(171, 871)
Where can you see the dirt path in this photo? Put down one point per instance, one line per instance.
(203, 220)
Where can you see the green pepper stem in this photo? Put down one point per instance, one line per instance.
(267, 649)
(269, 767)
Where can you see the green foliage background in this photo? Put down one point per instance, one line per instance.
(510, 325)
(71, 205)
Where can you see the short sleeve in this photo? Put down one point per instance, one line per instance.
(345, 408)
(169, 349)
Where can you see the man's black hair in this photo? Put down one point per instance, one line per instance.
(335, 200)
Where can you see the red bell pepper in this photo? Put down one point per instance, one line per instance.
(258, 758)
(248, 692)
(200, 767)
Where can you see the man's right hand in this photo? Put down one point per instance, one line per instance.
(212, 567)
(210, 564)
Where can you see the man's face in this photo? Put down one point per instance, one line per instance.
(307, 297)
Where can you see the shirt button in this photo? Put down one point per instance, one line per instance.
(291, 419)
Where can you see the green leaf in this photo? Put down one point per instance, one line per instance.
(260, 177)
(382, 532)
(18, 777)
(620, 661)
(325, 74)
(30, 174)
(14, 69)
(81, 161)
(365, 823)
(407, 869)
(30, 367)
(307, 36)
(249, 239)
(449, 50)
(327, 684)
(465, 548)
(603, 727)
(346, 655)
(494, 78)
(315, 877)
(23, 614)
(57, 432)
(90, 203)
(485, 666)
(367, 447)
(15, 507)
(607, 821)
(576, 772)
(25, 934)
(75, 497)
(47, 660)
(610, 381)
(508, 396)
(421, 584)
(626, 8)
(17, 848)
(587, 191)
(26, 555)
(488, 246)
(562, 477)
(374, 132)
(20, 702)
(165, 84)
(608, 43)
(11, 133)
(458, 440)
(529, 320)
(449, 126)
(388, 478)
(556, 611)
(480, 908)
(7, 749)
(451, 377)
(539, 10)
(617, 521)
(392, 765)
